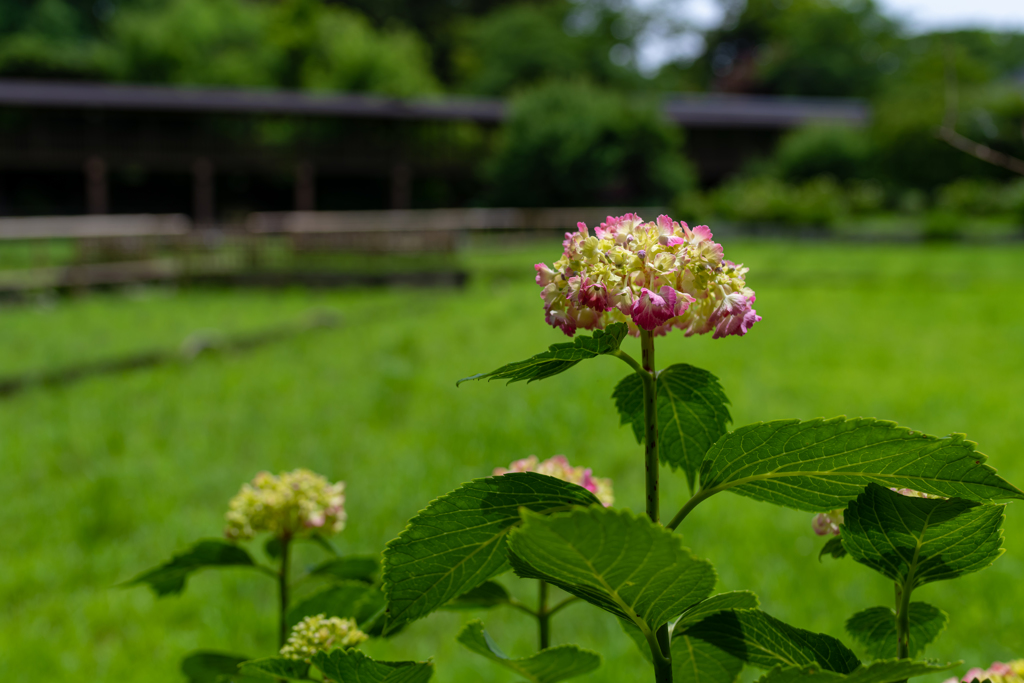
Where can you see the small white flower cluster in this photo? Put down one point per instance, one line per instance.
(286, 505)
(321, 634)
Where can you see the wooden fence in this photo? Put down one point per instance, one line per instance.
(125, 249)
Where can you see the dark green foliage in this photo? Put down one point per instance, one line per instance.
(458, 541)
(346, 599)
(349, 567)
(875, 629)
(214, 667)
(276, 669)
(352, 666)
(915, 541)
(575, 144)
(887, 671)
(698, 661)
(170, 577)
(692, 414)
(763, 641)
(487, 594)
(547, 666)
(833, 547)
(559, 357)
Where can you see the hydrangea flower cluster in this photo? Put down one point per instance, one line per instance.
(320, 634)
(997, 673)
(828, 522)
(286, 505)
(654, 276)
(558, 466)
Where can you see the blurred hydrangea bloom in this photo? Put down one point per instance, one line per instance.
(655, 276)
(997, 673)
(558, 466)
(320, 634)
(287, 505)
(828, 522)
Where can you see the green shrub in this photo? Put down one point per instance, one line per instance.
(865, 197)
(942, 224)
(817, 149)
(972, 196)
(577, 144)
(818, 202)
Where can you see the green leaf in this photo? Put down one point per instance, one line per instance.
(488, 594)
(833, 547)
(915, 541)
(622, 563)
(277, 668)
(347, 599)
(821, 465)
(213, 667)
(170, 577)
(765, 642)
(559, 357)
(547, 666)
(694, 614)
(882, 671)
(273, 548)
(352, 666)
(875, 629)
(324, 543)
(692, 411)
(698, 661)
(458, 541)
(356, 567)
(629, 401)
(714, 604)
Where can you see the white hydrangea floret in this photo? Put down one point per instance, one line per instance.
(286, 505)
(320, 633)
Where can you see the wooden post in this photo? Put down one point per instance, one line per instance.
(96, 190)
(305, 186)
(401, 185)
(202, 192)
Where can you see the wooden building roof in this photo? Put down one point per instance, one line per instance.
(696, 110)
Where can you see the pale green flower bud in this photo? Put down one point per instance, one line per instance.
(320, 634)
(287, 505)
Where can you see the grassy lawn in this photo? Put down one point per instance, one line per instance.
(109, 476)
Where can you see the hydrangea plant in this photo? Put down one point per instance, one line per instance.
(915, 508)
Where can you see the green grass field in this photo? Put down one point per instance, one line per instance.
(111, 475)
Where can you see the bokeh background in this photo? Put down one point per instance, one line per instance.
(244, 235)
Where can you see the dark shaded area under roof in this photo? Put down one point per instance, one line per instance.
(72, 147)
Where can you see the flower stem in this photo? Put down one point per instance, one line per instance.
(903, 621)
(544, 617)
(650, 425)
(662, 665)
(282, 587)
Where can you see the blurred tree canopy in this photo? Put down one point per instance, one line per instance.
(543, 52)
(799, 47)
(571, 143)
